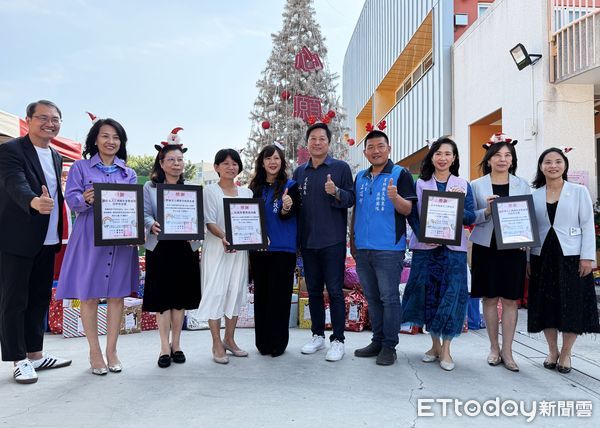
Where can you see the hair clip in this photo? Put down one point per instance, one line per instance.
(499, 137)
(279, 146)
(566, 149)
(172, 140)
(93, 117)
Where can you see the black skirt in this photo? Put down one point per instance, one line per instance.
(172, 277)
(497, 273)
(558, 297)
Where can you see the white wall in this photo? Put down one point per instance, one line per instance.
(486, 79)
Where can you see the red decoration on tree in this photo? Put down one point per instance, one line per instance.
(266, 124)
(331, 114)
(350, 141)
(308, 61)
(285, 95)
(302, 155)
(305, 106)
(369, 127)
(381, 125)
(312, 120)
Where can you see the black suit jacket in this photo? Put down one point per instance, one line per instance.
(23, 229)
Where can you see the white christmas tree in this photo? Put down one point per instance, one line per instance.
(296, 89)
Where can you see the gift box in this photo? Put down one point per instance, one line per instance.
(72, 325)
(131, 320)
(148, 321)
(192, 322)
(294, 311)
(246, 316)
(356, 311)
(55, 314)
(142, 279)
(409, 328)
(304, 320)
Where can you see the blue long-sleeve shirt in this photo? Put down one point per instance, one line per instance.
(323, 219)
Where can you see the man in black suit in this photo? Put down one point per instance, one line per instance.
(30, 229)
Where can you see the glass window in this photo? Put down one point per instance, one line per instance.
(482, 7)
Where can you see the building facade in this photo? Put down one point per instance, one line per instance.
(397, 68)
(553, 102)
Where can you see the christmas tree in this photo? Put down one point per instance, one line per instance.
(296, 89)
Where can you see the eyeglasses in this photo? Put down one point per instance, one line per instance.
(46, 119)
(381, 148)
(173, 160)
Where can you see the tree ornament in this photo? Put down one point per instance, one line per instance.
(350, 141)
(285, 95)
(266, 124)
(331, 114)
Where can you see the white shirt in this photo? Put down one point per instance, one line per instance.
(47, 162)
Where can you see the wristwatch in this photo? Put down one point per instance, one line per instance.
(337, 192)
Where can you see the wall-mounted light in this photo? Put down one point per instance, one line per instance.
(521, 58)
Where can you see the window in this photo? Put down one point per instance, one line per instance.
(417, 73)
(427, 62)
(407, 84)
(399, 93)
(482, 8)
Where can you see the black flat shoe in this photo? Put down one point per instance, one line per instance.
(178, 357)
(564, 369)
(164, 361)
(550, 365)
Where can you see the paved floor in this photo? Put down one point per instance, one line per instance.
(294, 389)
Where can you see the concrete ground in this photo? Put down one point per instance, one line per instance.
(295, 389)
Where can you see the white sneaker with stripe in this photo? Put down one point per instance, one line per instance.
(24, 372)
(49, 361)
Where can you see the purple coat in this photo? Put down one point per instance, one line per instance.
(88, 271)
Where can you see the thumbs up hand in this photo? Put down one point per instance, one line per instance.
(392, 191)
(330, 186)
(43, 203)
(286, 201)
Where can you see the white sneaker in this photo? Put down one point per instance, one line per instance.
(336, 352)
(24, 372)
(49, 361)
(316, 344)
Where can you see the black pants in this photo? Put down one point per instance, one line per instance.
(25, 291)
(273, 273)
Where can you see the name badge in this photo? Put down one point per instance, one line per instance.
(574, 231)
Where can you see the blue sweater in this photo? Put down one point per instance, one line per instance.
(281, 228)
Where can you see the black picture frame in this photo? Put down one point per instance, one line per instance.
(99, 241)
(160, 212)
(227, 203)
(458, 217)
(500, 243)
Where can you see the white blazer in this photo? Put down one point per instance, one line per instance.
(573, 223)
(150, 213)
(482, 189)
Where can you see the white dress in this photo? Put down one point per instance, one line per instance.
(224, 275)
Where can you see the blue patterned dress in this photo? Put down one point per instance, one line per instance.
(436, 294)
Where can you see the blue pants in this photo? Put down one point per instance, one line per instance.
(379, 274)
(325, 266)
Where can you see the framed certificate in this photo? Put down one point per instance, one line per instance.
(441, 217)
(179, 212)
(245, 223)
(515, 224)
(118, 214)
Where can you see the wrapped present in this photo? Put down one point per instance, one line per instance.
(71, 303)
(300, 266)
(246, 316)
(131, 320)
(294, 311)
(350, 262)
(351, 281)
(304, 320)
(356, 311)
(148, 321)
(72, 325)
(55, 314)
(142, 279)
(192, 322)
(404, 275)
(409, 328)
